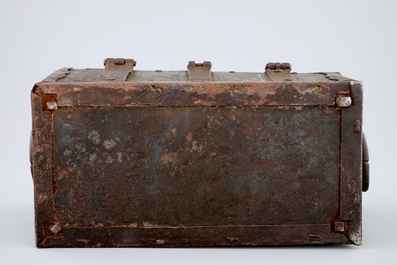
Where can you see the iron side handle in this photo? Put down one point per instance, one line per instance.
(365, 165)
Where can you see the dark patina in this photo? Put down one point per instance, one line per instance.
(197, 158)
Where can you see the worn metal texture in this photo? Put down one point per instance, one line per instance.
(57, 75)
(335, 76)
(200, 166)
(280, 72)
(41, 166)
(196, 94)
(199, 72)
(195, 236)
(352, 163)
(166, 164)
(116, 70)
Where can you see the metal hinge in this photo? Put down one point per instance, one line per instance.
(199, 72)
(280, 72)
(116, 70)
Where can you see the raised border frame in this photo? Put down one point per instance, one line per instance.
(49, 232)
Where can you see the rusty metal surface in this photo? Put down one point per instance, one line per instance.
(351, 164)
(41, 166)
(200, 166)
(195, 94)
(196, 164)
(196, 236)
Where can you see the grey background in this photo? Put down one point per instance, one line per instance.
(356, 38)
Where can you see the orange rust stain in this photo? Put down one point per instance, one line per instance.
(147, 224)
(189, 137)
(170, 158)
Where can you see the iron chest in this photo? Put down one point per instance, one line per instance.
(123, 158)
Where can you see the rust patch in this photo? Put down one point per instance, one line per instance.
(196, 94)
(189, 137)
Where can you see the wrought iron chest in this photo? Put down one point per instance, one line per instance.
(123, 158)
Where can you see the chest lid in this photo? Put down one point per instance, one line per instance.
(122, 70)
(118, 84)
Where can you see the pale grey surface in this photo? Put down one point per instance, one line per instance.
(356, 38)
(139, 76)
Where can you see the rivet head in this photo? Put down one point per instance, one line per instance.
(52, 105)
(160, 241)
(232, 239)
(344, 102)
(55, 229)
(339, 226)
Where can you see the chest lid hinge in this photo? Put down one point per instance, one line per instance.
(280, 72)
(116, 70)
(199, 72)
